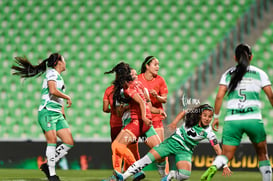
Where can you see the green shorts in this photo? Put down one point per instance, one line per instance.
(172, 147)
(50, 120)
(234, 130)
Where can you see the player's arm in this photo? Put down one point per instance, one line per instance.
(54, 91)
(217, 106)
(105, 107)
(142, 106)
(268, 91)
(173, 125)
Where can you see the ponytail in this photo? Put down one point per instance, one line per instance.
(25, 69)
(243, 55)
(123, 75)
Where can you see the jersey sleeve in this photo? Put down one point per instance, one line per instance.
(106, 94)
(51, 75)
(264, 79)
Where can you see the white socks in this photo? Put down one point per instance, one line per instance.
(137, 166)
(50, 154)
(54, 155)
(62, 151)
(266, 170)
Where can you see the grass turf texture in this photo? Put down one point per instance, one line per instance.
(98, 175)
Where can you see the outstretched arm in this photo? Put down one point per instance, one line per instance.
(173, 125)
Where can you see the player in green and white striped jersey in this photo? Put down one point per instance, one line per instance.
(51, 114)
(181, 144)
(243, 84)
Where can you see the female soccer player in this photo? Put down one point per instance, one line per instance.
(117, 123)
(51, 114)
(181, 144)
(158, 91)
(242, 84)
(139, 106)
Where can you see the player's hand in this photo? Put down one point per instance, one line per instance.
(172, 127)
(69, 102)
(215, 124)
(153, 93)
(226, 171)
(148, 122)
(162, 113)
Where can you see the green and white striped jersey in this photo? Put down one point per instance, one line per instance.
(189, 138)
(244, 102)
(48, 100)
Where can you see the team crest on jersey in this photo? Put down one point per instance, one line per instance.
(202, 133)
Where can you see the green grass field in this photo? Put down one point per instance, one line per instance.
(98, 175)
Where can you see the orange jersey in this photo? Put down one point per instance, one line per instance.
(159, 85)
(115, 120)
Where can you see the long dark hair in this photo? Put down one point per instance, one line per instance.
(193, 116)
(243, 55)
(146, 61)
(123, 75)
(25, 69)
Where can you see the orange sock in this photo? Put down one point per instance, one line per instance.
(116, 159)
(123, 151)
(134, 149)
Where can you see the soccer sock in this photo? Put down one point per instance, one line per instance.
(134, 149)
(123, 151)
(179, 175)
(61, 151)
(220, 161)
(117, 161)
(266, 170)
(137, 166)
(50, 154)
(161, 168)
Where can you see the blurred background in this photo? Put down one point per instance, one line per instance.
(194, 41)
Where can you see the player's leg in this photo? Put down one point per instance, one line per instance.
(152, 140)
(257, 135)
(64, 133)
(183, 165)
(116, 159)
(151, 156)
(158, 126)
(47, 121)
(119, 146)
(67, 139)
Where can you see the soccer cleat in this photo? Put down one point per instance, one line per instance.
(44, 168)
(118, 176)
(54, 178)
(209, 173)
(139, 176)
(165, 178)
